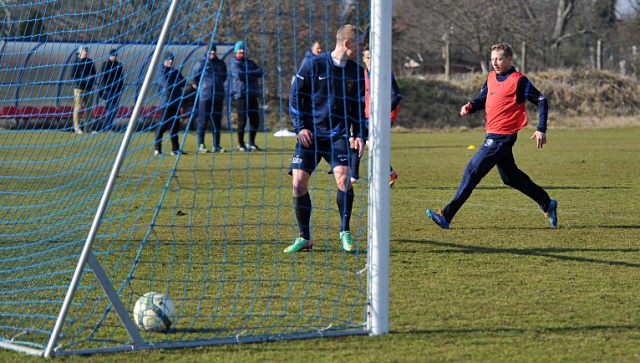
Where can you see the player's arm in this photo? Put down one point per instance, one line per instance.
(93, 72)
(527, 91)
(180, 80)
(196, 73)
(254, 70)
(477, 103)
(238, 71)
(396, 96)
(300, 90)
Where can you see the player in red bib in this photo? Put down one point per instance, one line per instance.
(396, 97)
(503, 97)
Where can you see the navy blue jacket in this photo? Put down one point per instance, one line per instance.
(307, 56)
(210, 76)
(112, 79)
(245, 74)
(525, 92)
(328, 100)
(171, 82)
(84, 74)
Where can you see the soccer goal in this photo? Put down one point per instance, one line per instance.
(92, 220)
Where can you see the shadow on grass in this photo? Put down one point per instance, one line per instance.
(542, 252)
(520, 331)
(589, 226)
(546, 187)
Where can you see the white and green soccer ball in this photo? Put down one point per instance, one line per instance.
(154, 312)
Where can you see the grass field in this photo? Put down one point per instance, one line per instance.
(500, 285)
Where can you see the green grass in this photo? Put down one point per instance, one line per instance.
(500, 285)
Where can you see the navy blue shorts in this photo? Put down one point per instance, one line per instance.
(334, 151)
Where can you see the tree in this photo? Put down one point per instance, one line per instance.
(32, 27)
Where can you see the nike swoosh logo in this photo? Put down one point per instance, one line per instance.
(321, 78)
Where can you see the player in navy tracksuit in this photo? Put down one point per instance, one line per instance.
(208, 76)
(245, 87)
(170, 82)
(327, 103)
(503, 97)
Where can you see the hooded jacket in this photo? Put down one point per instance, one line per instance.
(245, 74)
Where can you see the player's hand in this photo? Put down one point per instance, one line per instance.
(358, 144)
(541, 138)
(352, 143)
(195, 86)
(305, 138)
(465, 109)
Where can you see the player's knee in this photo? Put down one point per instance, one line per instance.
(299, 189)
(343, 183)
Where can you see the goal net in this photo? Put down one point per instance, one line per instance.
(91, 218)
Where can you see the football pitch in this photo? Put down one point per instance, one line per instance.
(500, 285)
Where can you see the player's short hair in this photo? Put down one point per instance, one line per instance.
(506, 48)
(347, 32)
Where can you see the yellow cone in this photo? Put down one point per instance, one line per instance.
(471, 147)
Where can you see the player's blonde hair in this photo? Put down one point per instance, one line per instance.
(347, 32)
(506, 48)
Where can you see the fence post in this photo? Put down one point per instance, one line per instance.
(599, 55)
(446, 54)
(524, 58)
(634, 51)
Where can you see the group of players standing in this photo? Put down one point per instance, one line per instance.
(329, 104)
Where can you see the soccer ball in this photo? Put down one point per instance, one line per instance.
(154, 312)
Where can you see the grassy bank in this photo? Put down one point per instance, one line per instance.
(576, 99)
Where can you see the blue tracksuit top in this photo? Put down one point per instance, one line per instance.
(245, 74)
(84, 74)
(171, 82)
(328, 100)
(210, 76)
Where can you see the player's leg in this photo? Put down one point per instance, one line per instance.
(303, 163)
(111, 106)
(87, 100)
(241, 109)
(175, 130)
(339, 160)
(77, 107)
(217, 124)
(204, 110)
(479, 165)
(161, 128)
(254, 123)
(392, 176)
(302, 202)
(512, 176)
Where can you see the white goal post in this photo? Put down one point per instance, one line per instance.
(91, 221)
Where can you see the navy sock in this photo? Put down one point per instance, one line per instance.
(303, 214)
(345, 205)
